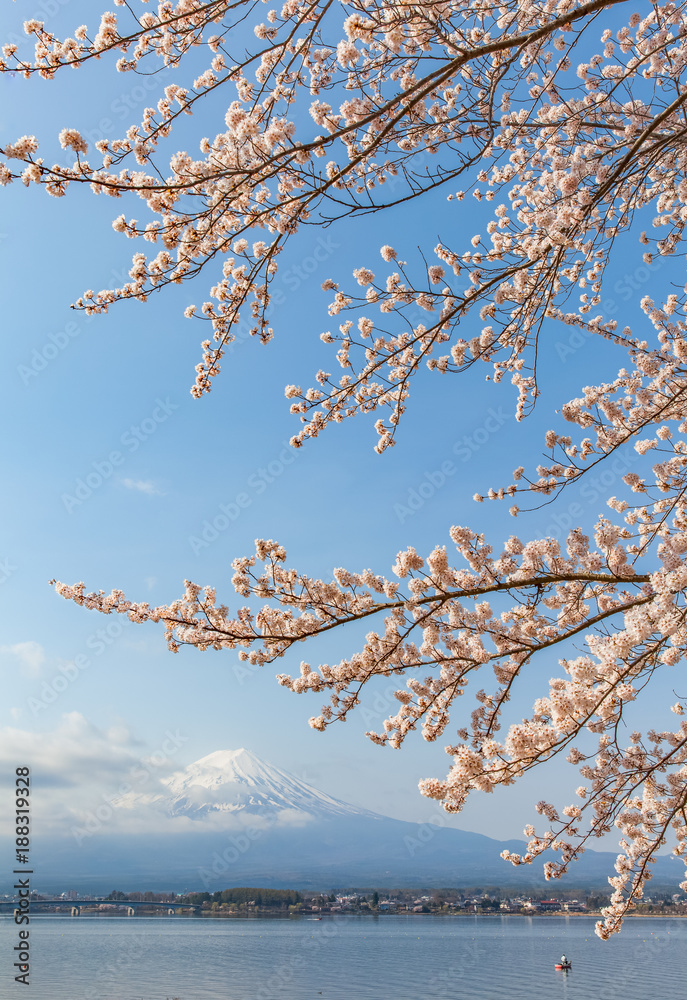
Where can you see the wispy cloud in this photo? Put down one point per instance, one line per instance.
(143, 486)
(31, 656)
(78, 766)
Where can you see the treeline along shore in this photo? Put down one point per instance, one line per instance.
(252, 901)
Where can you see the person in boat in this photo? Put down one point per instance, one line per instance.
(564, 960)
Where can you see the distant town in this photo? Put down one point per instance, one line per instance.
(255, 901)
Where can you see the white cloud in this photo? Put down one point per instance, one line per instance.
(77, 767)
(90, 782)
(31, 656)
(143, 486)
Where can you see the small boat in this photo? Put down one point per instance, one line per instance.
(563, 965)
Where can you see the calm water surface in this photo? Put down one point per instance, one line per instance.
(364, 958)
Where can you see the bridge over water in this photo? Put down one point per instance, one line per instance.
(76, 905)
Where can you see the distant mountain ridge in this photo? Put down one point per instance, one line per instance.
(231, 819)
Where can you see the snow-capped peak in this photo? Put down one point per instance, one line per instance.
(234, 781)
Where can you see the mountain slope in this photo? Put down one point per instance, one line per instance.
(238, 781)
(231, 818)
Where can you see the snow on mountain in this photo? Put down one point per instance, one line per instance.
(233, 819)
(239, 782)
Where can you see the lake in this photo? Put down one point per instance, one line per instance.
(352, 957)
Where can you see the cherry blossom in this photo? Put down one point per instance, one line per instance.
(562, 125)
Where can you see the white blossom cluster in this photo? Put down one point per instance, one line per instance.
(439, 628)
(566, 165)
(565, 122)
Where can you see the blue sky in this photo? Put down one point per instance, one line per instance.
(76, 391)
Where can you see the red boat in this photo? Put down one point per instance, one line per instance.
(564, 964)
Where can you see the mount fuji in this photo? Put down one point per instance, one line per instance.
(232, 782)
(232, 819)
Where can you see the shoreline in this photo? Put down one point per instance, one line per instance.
(333, 916)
